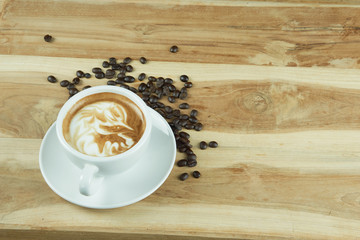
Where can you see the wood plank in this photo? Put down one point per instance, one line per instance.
(277, 201)
(304, 36)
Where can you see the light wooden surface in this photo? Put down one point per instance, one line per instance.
(277, 84)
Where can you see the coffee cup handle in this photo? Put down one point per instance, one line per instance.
(90, 180)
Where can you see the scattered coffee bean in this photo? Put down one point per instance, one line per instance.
(183, 95)
(80, 74)
(176, 113)
(189, 126)
(51, 79)
(198, 127)
(184, 117)
(193, 119)
(112, 61)
(153, 99)
(129, 79)
(64, 83)
(110, 72)
(73, 91)
(105, 64)
(145, 98)
(191, 163)
(168, 109)
(141, 76)
(87, 75)
(184, 176)
(70, 85)
(188, 84)
(76, 80)
(172, 88)
(174, 49)
(182, 163)
(115, 67)
(152, 79)
(176, 93)
(213, 144)
(48, 38)
(127, 60)
(196, 174)
(184, 78)
(183, 89)
(111, 82)
(143, 60)
(168, 81)
(134, 90)
(189, 151)
(86, 87)
(120, 80)
(184, 135)
(182, 149)
(193, 113)
(121, 75)
(129, 68)
(160, 105)
(184, 106)
(191, 157)
(96, 70)
(123, 85)
(203, 145)
(142, 87)
(100, 75)
(171, 99)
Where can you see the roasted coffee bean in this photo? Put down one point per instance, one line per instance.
(184, 176)
(134, 90)
(193, 119)
(168, 109)
(174, 49)
(143, 60)
(121, 75)
(145, 98)
(153, 105)
(141, 76)
(184, 140)
(213, 144)
(188, 84)
(146, 93)
(178, 127)
(176, 121)
(48, 38)
(191, 163)
(80, 73)
(73, 91)
(158, 91)
(112, 61)
(129, 68)
(191, 157)
(122, 65)
(105, 64)
(166, 91)
(183, 123)
(142, 87)
(176, 113)
(86, 87)
(161, 112)
(169, 116)
(184, 78)
(111, 82)
(123, 70)
(184, 135)
(51, 79)
(168, 81)
(184, 106)
(183, 89)
(110, 72)
(149, 84)
(153, 99)
(184, 117)
(171, 99)
(115, 67)
(176, 93)
(182, 163)
(129, 79)
(76, 80)
(123, 85)
(160, 82)
(87, 75)
(127, 60)
(198, 127)
(196, 174)
(189, 126)
(182, 149)
(203, 145)
(152, 79)
(70, 85)
(183, 95)
(160, 105)
(64, 83)
(188, 145)
(172, 88)
(193, 113)
(99, 75)
(96, 70)
(119, 80)
(189, 151)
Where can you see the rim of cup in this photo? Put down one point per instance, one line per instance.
(102, 89)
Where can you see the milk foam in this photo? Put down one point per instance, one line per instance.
(101, 129)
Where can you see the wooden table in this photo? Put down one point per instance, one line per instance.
(277, 84)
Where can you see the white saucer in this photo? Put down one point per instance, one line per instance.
(119, 190)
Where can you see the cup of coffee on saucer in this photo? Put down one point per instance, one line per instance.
(106, 133)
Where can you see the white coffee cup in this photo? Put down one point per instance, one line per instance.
(95, 169)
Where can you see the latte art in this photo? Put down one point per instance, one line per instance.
(104, 124)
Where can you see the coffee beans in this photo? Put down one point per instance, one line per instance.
(203, 145)
(184, 106)
(106, 64)
(143, 60)
(76, 80)
(48, 38)
(196, 174)
(182, 163)
(70, 85)
(64, 83)
(51, 79)
(184, 78)
(213, 144)
(73, 91)
(96, 70)
(183, 95)
(129, 68)
(87, 75)
(141, 76)
(193, 113)
(188, 84)
(80, 73)
(100, 75)
(111, 82)
(127, 60)
(191, 157)
(198, 127)
(171, 99)
(184, 176)
(174, 49)
(86, 87)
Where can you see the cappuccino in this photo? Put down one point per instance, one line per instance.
(104, 124)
